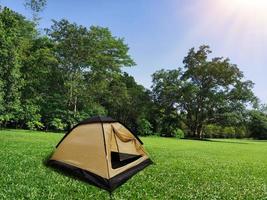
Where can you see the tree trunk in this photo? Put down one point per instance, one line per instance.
(75, 105)
(192, 130)
(196, 131)
(200, 131)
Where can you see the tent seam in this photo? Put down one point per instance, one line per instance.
(105, 150)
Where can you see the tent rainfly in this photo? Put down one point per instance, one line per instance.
(101, 151)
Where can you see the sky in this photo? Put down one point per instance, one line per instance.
(160, 32)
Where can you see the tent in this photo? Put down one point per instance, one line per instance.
(101, 151)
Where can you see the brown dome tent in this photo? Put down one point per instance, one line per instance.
(101, 151)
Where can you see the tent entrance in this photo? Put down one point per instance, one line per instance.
(119, 159)
(124, 148)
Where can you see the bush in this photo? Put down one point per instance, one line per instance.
(217, 131)
(179, 133)
(144, 127)
(241, 132)
(34, 125)
(212, 131)
(228, 132)
(169, 125)
(57, 124)
(157, 134)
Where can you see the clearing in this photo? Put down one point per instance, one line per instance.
(184, 169)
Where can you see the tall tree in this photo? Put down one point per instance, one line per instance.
(212, 88)
(90, 59)
(205, 90)
(42, 82)
(131, 102)
(16, 36)
(166, 94)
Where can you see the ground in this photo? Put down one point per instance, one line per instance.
(183, 169)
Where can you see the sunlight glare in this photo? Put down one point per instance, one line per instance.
(249, 3)
(240, 24)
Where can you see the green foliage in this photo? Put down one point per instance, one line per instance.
(166, 85)
(228, 131)
(212, 131)
(54, 80)
(69, 74)
(131, 102)
(91, 72)
(203, 91)
(36, 6)
(179, 133)
(34, 125)
(57, 124)
(144, 127)
(258, 125)
(184, 169)
(217, 131)
(16, 35)
(30, 116)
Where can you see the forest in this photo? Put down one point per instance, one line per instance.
(52, 79)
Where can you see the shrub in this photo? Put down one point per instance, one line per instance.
(157, 134)
(241, 132)
(169, 125)
(179, 133)
(57, 124)
(34, 125)
(228, 132)
(217, 131)
(144, 127)
(212, 131)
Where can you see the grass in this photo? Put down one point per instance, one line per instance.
(184, 169)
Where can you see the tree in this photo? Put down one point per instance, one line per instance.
(72, 73)
(258, 124)
(90, 61)
(16, 35)
(263, 108)
(166, 93)
(42, 84)
(212, 88)
(203, 91)
(36, 6)
(131, 102)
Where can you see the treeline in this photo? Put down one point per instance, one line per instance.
(51, 81)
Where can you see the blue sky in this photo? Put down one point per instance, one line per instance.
(160, 33)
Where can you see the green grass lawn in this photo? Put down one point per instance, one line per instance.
(184, 169)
